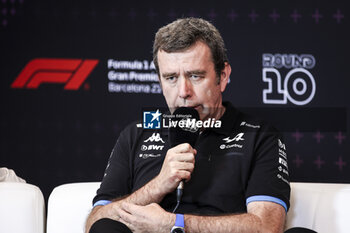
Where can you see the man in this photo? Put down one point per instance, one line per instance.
(236, 176)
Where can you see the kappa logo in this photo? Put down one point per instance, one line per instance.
(71, 72)
(154, 138)
(237, 138)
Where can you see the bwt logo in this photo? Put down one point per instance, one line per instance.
(151, 120)
(299, 85)
(72, 72)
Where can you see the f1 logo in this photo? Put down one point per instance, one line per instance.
(72, 72)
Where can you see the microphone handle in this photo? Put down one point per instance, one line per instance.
(181, 185)
(179, 191)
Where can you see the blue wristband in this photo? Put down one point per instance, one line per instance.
(180, 222)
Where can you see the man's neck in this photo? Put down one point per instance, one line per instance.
(220, 112)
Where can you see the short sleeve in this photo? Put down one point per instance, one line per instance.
(117, 177)
(269, 179)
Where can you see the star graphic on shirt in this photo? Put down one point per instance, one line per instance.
(156, 115)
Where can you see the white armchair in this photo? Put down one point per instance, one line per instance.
(323, 208)
(68, 207)
(22, 208)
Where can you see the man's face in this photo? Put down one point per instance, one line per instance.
(188, 79)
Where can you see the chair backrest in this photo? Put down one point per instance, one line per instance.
(324, 208)
(68, 207)
(22, 208)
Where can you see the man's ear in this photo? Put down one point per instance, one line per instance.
(225, 76)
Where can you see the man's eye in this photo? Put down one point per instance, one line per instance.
(195, 77)
(171, 79)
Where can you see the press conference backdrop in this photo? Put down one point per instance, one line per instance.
(75, 73)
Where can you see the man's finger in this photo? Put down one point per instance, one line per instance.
(184, 147)
(185, 157)
(125, 215)
(183, 175)
(130, 208)
(184, 166)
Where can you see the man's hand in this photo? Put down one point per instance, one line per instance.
(178, 165)
(146, 219)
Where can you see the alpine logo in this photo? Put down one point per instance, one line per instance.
(155, 138)
(71, 72)
(237, 138)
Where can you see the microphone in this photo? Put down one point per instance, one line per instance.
(183, 131)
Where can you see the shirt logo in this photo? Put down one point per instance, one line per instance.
(237, 138)
(151, 119)
(145, 156)
(243, 123)
(283, 162)
(154, 138)
(281, 144)
(151, 147)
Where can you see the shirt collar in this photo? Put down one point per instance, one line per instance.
(228, 119)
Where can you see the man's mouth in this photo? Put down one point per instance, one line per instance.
(191, 106)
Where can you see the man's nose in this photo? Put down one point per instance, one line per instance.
(185, 88)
